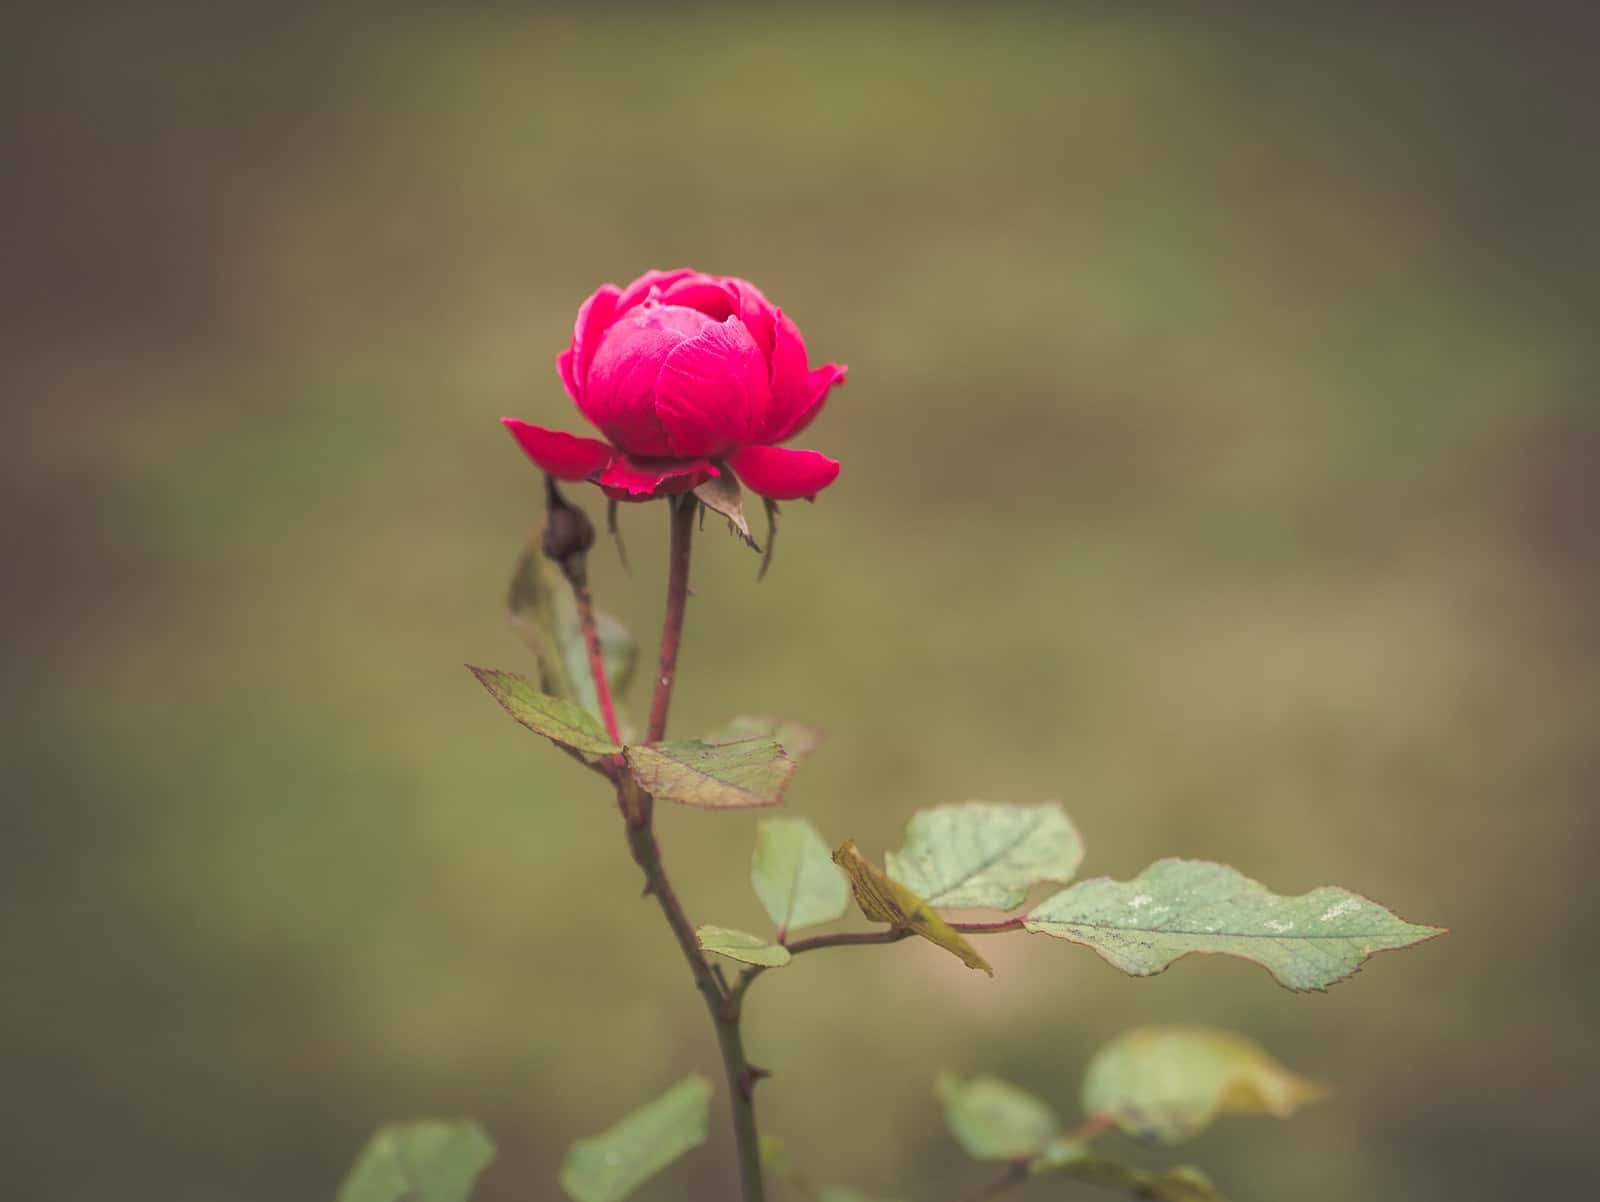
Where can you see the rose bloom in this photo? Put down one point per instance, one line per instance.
(688, 376)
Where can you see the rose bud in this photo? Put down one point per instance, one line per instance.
(688, 376)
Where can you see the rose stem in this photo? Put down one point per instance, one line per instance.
(597, 663)
(723, 1007)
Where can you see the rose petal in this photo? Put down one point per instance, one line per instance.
(712, 393)
(630, 479)
(818, 384)
(789, 395)
(757, 313)
(713, 297)
(565, 456)
(595, 316)
(781, 474)
(621, 394)
(636, 292)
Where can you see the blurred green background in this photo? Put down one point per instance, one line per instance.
(1220, 458)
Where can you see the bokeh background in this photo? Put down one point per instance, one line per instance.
(1220, 458)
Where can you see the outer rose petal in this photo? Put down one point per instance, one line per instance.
(818, 383)
(636, 292)
(595, 316)
(567, 365)
(564, 456)
(780, 474)
(712, 394)
(630, 479)
(758, 315)
(789, 397)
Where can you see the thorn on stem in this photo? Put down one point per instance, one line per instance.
(749, 1078)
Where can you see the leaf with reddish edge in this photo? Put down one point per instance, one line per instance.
(723, 495)
(1177, 908)
(713, 776)
(561, 722)
(885, 900)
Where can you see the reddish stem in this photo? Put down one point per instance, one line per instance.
(597, 663)
(683, 509)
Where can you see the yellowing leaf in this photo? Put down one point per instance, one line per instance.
(884, 900)
(1169, 1083)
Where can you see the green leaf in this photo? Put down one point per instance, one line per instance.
(1169, 1083)
(795, 877)
(742, 946)
(985, 853)
(1182, 1184)
(840, 1193)
(557, 720)
(717, 776)
(429, 1161)
(610, 1166)
(799, 739)
(544, 613)
(993, 1120)
(723, 494)
(883, 900)
(1177, 908)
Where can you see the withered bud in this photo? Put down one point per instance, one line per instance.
(568, 532)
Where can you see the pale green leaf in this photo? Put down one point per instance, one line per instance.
(557, 720)
(994, 1120)
(883, 900)
(840, 1193)
(794, 875)
(985, 853)
(610, 1166)
(1177, 908)
(750, 772)
(742, 946)
(429, 1161)
(1169, 1083)
(544, 614)
(799, 739)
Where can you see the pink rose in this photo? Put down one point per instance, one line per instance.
(687, 376)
